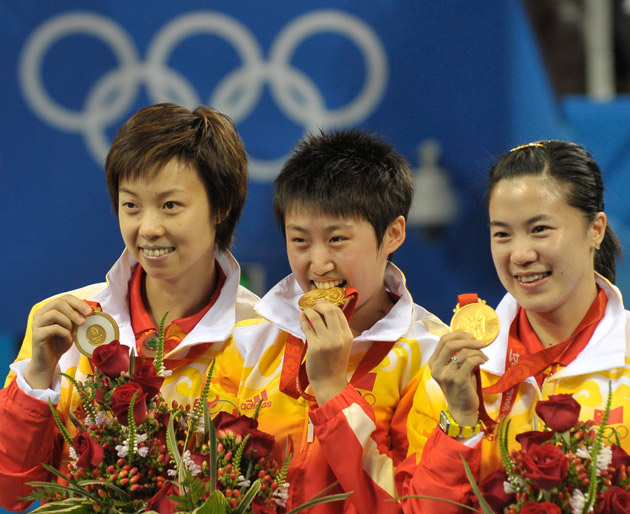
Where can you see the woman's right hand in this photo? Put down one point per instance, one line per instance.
(453, 365)
(52, 327)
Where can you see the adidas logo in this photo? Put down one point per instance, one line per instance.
(252, 402)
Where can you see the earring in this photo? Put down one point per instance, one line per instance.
(597, 246)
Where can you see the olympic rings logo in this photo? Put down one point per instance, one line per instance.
(236, 94)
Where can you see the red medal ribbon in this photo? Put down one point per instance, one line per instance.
(294, 379)
(530, 364)
(489, 423)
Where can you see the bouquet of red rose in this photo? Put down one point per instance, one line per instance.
(570, 466)
(133, 451)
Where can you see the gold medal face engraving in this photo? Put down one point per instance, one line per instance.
(99, 328)
(334, 295)
(478, 319)
(95, 335)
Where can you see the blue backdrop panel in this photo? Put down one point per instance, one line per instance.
(71, 75)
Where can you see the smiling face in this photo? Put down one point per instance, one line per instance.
(326, 251)
(542, 247)
(166, 223)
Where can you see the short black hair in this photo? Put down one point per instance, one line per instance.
(204, 139)
(346, 173)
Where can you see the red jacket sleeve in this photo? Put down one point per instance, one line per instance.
(440, 474)
(28, 437)
(356, 449)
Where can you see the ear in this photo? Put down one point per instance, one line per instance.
(394, 235)
(598, 229)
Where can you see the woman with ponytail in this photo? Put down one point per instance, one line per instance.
(563, 327)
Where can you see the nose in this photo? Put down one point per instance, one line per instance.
(321, 262)
(523, 252)
(151, 226)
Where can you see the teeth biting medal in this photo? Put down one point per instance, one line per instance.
(474, 316)
(334, 295)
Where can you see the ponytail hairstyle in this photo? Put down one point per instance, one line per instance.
(579, 176)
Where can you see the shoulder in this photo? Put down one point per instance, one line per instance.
(83, 293)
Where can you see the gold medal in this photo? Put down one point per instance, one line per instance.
(99, 328)
(334, 295)
(478, 319)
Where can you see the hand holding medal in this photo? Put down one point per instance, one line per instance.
(99, 328)
(295, 377)
(473, 316)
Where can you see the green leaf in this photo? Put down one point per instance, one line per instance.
(319, 501)
(70, 506)
(482, 501)
(249, 497)
(443, 500)
(213, 448)
(171, 441)
(215, 504)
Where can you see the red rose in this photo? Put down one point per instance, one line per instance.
(493, 490)
(257, 508)
(546, 465)
(620, 460)
(121, 397)
(528, 438)
(619, 457)
(89, 451)
(112, 359)
(240, 425)
(560, 412)
(160, 502)
(540, 508)
(615, 501)
(146, 376)
(259, 444)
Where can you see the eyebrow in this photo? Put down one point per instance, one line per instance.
(329, 228)
(168, 192)
(530, 221)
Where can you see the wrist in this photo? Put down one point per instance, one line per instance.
(326, 390)
(452, 428)
(39, 377)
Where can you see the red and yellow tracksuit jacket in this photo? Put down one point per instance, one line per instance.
(604, 360)
(338, 440)
(28, 435)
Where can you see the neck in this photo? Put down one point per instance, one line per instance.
(368, 313)
(180, 298)
(555, 327)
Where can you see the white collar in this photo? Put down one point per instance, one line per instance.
(217, 323)
(280, 307)
(606, 349)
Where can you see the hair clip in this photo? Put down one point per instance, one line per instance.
(536, 144)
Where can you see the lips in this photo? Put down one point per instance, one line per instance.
(528, 279)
